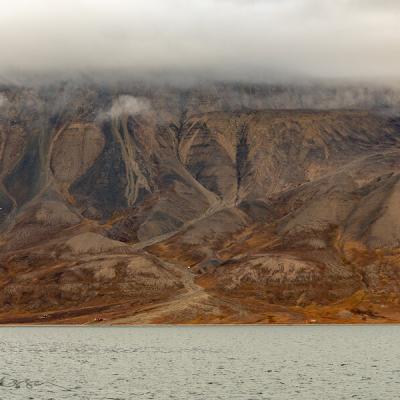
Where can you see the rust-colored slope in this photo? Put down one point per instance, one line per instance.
(184, 214)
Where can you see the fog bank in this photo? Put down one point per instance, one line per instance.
(266, 40)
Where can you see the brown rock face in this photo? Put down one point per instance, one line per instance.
(74, 151)
(174, 205)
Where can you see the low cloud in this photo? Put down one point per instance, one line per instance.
(126, 105)
(221, 39)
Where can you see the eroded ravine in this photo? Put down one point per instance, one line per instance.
(134, 176)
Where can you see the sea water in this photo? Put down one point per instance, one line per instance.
(200, 362)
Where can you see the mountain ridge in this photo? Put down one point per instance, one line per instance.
(170, 211)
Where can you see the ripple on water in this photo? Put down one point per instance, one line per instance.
(244, 362)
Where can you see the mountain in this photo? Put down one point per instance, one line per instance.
(223, 203)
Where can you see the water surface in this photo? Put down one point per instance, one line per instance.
(243, 362)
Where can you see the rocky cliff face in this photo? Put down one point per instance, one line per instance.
(160, 204)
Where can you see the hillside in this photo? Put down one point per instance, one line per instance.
(159, 205)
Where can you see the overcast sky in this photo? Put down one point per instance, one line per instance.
(237, 38)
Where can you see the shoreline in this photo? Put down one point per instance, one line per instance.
(190, 325)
